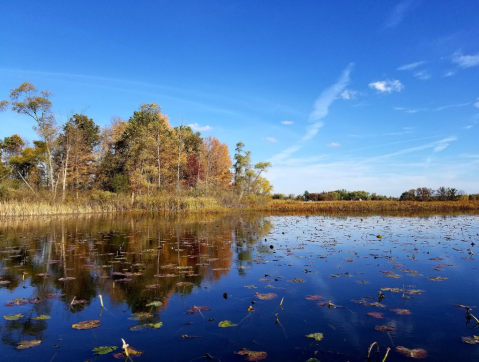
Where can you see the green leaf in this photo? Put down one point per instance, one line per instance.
(316, 336)
(41, 317)
(226, 324)
(104, 349)
(13, 317)
(28, 344)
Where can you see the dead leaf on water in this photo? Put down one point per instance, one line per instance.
(197, 308)
(86, 324)
(401, 311)
(418, 353)
(385, 328)
(375, 314)
(252, 355)
(266, 296)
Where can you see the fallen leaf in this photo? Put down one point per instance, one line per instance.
(375, 314)
(13, 317)
(401, 311)
(316, 336)
(226, 324)
(265, 296)
(86, 324)
(252, 355)
(418, 353)
(104, 349)
(385, 329)
(131, 352)
(28, 344)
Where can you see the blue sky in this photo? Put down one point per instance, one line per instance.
(380, 96)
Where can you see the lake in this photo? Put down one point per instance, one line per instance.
(239, 287)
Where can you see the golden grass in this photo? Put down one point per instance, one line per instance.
(368, 206)
(188, 204)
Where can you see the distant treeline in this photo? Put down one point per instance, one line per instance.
(334, 196)
(441, 194)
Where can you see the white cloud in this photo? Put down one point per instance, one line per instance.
(465, 61)
(449, 73)
(469, 127)
(411, 66)
(271, 139)
(322, 103)
(452, 106)
(410, 110)
(312, 131)
(197, 128)
(349, 94)
(287, 122)
(423, 75)
(398, 13)
(387, 86)
(334, 144)
(477, 103)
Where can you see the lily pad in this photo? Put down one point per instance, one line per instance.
(401, 311)
(13, 317)
(266, 296)
(252, 355)
(41, 317)
(418, 353)
(437, 279)
(226, 324)
(17, 301)
(156, 303)
(197, 308)
(28, 344)
(471, 340)
(375, 314)
(250, 286)
(140, 316)
(146, 325)
(86, 324)
(385, 328)
(313, 297)
(131, 352)
(104, 349)
(316, 336)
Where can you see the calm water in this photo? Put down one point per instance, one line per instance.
(224, 265)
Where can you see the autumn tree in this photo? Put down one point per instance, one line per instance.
(247, 177)
(216, 162)
(25, 100)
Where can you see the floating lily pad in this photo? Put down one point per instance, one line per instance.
(385, 328)
(316, 336)
(104, 349)
(252, 355)
(146, 325)
(86, 324)
(376, 304)
(13, 317)
(375, 314)
(471, 340)
(418, 353)
(197, 308)
(266, 296)
(401, 311)
(250, 286)
(156, 303)
(131, 352)
(141, 315)
(226, 324)
(41, 317)
(313, 297)
(17, 301)
(28, 344)
(437, 279)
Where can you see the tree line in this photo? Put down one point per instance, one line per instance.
(334, 196)
(441, 194)
(144, 155)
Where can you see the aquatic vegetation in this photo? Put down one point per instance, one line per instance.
(226, 323)
(86, 324)
(252, 355)
(418, 353)
(13, 317)
(28, 344)
(265, 296)
(104, 349)
(316, 336)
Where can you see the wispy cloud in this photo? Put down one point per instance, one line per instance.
(387, 86)
(411, 66)
(398, 13)
(423, 75)
(271, 139)
(349, 94)
(465, 61)
(320, 111)
(410, 110)
(449, 73)
(452, 106)
(334, 144)
(322, 103)
(287, 122)
(477, 103)
(197, 128)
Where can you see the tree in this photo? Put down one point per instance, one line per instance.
(246, 176)
(215, 162)
(24, 100)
